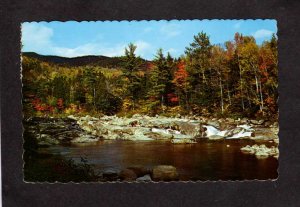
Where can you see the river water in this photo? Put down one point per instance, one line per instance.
(207, 160)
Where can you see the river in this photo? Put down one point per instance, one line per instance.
(206, 160)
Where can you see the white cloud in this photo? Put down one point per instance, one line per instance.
(262, 33)
(89, 49)
(36, 36)
(170, 30)
(143, 48)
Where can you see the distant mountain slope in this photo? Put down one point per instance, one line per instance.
(103, 61)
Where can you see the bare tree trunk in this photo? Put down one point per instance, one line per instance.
(261, 96)
(228, 93)
(242, 95)
(162, 103)
(256, 83)
(221, 90)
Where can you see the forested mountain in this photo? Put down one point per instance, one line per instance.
(238, 79)
(103, 61)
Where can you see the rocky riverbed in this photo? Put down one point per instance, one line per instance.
(261, 151)
(177, 130)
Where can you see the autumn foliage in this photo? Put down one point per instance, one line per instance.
(236, 78)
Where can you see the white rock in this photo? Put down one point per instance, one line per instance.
(145, 178)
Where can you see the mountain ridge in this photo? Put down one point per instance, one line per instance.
(94, 60)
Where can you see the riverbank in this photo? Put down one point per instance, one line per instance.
(145, 128)
(177, 130)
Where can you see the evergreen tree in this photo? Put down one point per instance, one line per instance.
(158, 81)
(198, 68)
(132, 64)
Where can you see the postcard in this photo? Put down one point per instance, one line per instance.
(150, 101)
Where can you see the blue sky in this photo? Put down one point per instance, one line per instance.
(71, 39)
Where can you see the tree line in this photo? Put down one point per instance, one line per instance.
(237, 78)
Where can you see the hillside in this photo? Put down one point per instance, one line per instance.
(103, 61)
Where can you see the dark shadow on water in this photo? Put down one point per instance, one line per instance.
(207, 160)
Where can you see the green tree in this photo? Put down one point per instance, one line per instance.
(158, 81)
(132, 63)
(198, 68)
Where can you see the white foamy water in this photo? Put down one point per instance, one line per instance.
(241, 134)
(211, 131)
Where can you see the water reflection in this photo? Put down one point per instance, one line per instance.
(202, 161)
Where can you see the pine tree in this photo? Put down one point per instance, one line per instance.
(198, 68)
(158, 81)
(132, 64)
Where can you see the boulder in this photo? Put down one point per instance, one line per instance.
(165, 173)
(261, 151)
(248, 149)
(128, 175)
(110, 175)
(139, 170)
(145, 178)
(187, 128)
(261, 154)
(264, 134)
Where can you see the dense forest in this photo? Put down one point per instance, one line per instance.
(234, 79)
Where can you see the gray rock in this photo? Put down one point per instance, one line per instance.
(187, 128)
(264, 134)
(145, 178)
